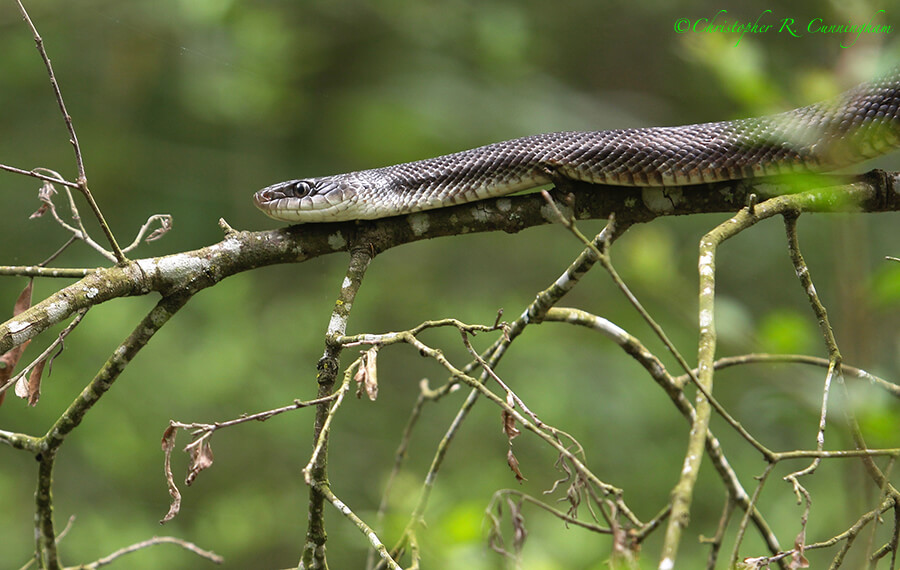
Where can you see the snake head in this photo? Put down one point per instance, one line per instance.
(325, 199)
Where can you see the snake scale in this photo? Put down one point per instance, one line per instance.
(862, 123)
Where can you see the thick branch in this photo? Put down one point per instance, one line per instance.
(241, 251)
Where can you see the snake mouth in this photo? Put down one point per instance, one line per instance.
(267, 196)
(303, 201)
(264, 197)
(267, 200)
(292, 189)
(279, 196)
(276, 201)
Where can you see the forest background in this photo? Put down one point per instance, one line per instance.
(186, 107)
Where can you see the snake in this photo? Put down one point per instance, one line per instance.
(860, 124)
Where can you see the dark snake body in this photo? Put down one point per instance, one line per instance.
(860, 124)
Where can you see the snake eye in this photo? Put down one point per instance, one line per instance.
(302, 188)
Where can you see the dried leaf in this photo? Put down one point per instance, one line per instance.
(360, 377)
(514, 465)
(509, 421)
(165, 224)
(9, 359)
(372, 373)
(22, 387)
(366, 376)
(168, 438)
(45, 194)
(495, 533)
(797, 558)
(168, 444)
(42, 209)
(518, 524)
(509, 425)
(23, 303)
(201, 458)
(511, 431)
(573, 496)
(30, 388)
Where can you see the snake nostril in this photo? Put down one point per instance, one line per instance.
(267, 195)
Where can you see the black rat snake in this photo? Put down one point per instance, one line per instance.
(862, 123)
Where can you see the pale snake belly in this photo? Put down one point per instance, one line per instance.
(860, 124)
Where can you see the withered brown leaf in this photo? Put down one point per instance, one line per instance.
(514, 465)
(30, 388)
(201, 458)
(168, 444)
(10, 358)
(366, 376)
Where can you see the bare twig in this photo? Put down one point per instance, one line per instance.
(763, 358)
(46, 353)
(201, 428)
(716, 541)
(35, 174)
(73, 137)
(313, 555)
(56, 91)
(323, 488)
(38, 271)
(41, 269)
(80, 232)
(425, 395)
(338, 397)
(189, 546)
(72, 417)
(200, 446)
(165, 224)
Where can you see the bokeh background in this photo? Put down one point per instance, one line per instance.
(188, 106)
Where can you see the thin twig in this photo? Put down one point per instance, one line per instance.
(82, 184)
(38, 271)
(190, 546)
(58, 252)
(322, 439)
(764, 358)
(45, 195)
(38, 175)
(313, 555)
(73, 138)
(426, 394)
(834, 369)
(165, 224)
(716, 541)
(200, 447)
(75, 413)
(323, 488)
(200, 428)
(742, 527)
(56, 342)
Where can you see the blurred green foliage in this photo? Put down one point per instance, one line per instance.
(188, 106)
